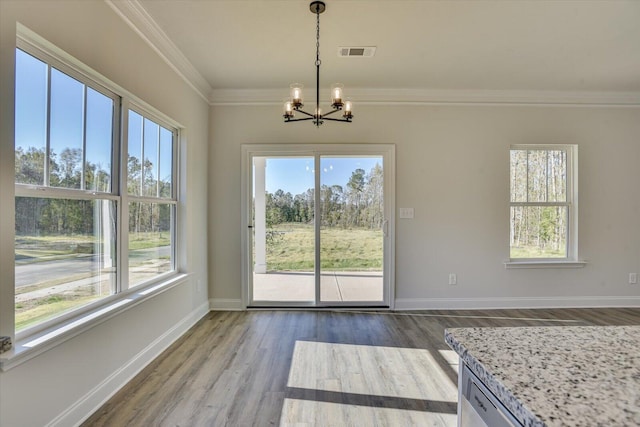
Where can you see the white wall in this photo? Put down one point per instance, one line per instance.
(453, 168)
(67, 382)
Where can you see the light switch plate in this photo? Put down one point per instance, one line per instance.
(406, 213)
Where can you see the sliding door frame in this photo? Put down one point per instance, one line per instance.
(386, 151)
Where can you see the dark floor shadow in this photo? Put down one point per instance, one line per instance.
(392, 402)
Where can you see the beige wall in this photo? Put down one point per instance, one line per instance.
(70, 380)
(453, 168)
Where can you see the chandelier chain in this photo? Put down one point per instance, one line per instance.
(318, 62)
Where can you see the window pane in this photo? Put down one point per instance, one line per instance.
(518, 175)
(151, 140)
(537, 175)
(150, 236)
(351, 228)
(557, 166)
(165, 172)
(66, 130)
(30, 119)
(538, 232)
(134, 167)
(65, 256)
(99, 141)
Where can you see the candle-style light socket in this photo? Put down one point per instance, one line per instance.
(317, 117)
(336, 95)
(296, 95)
(287, 111)
(347, 111)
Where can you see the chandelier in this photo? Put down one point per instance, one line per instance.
(338, 104)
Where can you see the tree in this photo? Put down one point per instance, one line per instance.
(374, 197)
(359, 204)
(69, 171)
(355, 188)
(29, 165)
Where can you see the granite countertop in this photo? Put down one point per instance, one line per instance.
(558, 376)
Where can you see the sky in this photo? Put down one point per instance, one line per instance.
(296, 174)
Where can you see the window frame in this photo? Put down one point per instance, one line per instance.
(61, 327)
(128, 198)
(571, 203)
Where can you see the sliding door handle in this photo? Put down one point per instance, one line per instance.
(385, 228)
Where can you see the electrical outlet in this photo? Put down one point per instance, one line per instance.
(453, 279)
(633, 278)
(406, 213)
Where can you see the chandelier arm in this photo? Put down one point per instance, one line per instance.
(298, 120)
(335, 110)
(304, 112)
(336, 120)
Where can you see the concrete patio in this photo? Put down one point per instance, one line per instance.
(335, 286)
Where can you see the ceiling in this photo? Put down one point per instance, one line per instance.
(534, 46)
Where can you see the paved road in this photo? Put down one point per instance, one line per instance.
(29, 274)
(37, 272)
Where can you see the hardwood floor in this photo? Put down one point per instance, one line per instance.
(316, 368)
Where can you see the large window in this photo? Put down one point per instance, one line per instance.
(543, 215)
(70, 250)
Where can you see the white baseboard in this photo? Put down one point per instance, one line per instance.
(522, 302)
(225, 304)
(94, 399)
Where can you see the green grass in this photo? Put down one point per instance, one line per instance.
(340, 249)
(148, 240)
(28, 314)
(535, 252)
(45, 248)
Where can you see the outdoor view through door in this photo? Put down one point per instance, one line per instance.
(338, 260)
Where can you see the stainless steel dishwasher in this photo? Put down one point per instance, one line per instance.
(479, 407)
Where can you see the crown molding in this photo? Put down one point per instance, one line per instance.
(439, 97)
(135, 15)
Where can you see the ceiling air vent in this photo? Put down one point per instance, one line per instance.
(361, 51)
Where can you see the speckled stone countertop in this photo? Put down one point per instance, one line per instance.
(558, 376)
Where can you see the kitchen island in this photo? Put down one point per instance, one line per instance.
(557, 376)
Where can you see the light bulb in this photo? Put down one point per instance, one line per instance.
(336, 95)
(348, 110)
(296, 95)
(288, 109)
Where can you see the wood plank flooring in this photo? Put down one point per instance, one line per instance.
(319, 368)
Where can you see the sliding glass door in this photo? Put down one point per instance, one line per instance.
(316, 225)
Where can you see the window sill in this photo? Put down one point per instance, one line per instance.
(36, 344)
(544, 264)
